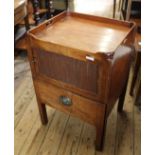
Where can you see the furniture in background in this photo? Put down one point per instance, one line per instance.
(54, 7)
(130, 9)
(49, 7)
(20, 14)
(135, 89)
(79, 67)
(30, 13)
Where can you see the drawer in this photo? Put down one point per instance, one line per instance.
(54, 96)
(82, 107)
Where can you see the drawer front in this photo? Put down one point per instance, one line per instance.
(83, 75)
(81, 107)
(55, 97)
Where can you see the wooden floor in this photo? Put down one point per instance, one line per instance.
(66, 135)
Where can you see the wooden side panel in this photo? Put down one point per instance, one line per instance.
(83, 75)
(119, 73)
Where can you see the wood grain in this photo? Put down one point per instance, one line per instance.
(37, 134)
(87, 140)
(54, 135)
(84, 75)
(104, 76)
(80, 32)
(22, 104)
(25, 125)
(71, 137)
(40, 135)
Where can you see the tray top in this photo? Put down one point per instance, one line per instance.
(84, 33)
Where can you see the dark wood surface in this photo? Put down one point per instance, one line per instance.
(113, 65)
(83, 75)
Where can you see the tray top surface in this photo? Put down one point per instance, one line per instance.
(85, 34)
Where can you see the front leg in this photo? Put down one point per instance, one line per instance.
(100, 135)
(101, 122)
(42, 111)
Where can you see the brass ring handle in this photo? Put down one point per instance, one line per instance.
(65, 100)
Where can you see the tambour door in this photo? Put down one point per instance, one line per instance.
(81, 77)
